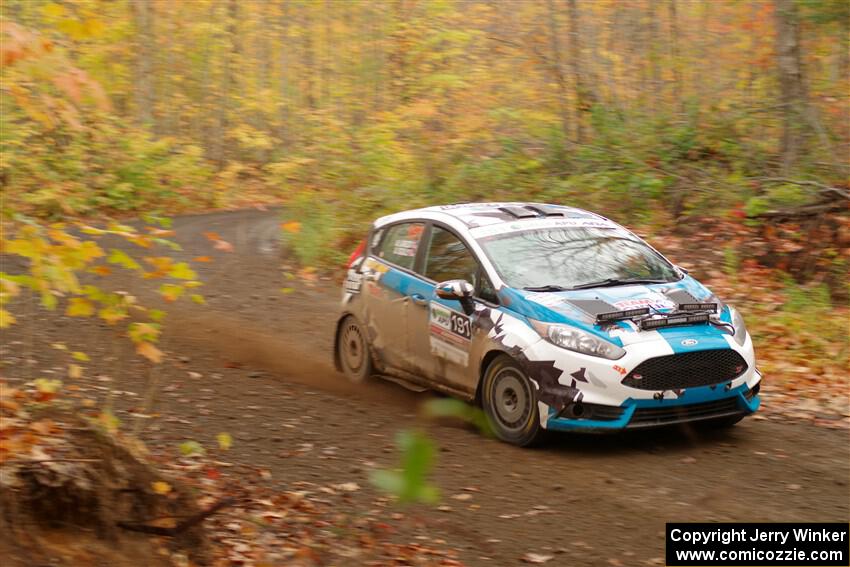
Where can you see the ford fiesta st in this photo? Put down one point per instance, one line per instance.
(549, 317)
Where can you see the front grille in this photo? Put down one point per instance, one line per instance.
(645, 417)
(595, 412)
(687, 370)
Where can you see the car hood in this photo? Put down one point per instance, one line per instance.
(580, 307)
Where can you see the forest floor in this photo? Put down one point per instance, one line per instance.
(256, 363)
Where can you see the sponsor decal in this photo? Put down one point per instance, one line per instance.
(690, 342)
(376, 266)
(535, 224)
(545, 299)
(353, 282)
(405, 247)
(621, 370)
(451, 333)
(651, 302)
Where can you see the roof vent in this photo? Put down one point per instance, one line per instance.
(520, 212)
(547, 210)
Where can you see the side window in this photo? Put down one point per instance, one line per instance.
(449, 259)
(400, 244)
(485, 290)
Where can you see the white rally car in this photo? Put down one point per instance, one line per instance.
(549, 317)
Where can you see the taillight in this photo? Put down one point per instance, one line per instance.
(356, 254)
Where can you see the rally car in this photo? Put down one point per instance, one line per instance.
(550, 317)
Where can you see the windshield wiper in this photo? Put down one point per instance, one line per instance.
(610, 282)
(549, 287)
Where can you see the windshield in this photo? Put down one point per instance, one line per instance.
(569, 257)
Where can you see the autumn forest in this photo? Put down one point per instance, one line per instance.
(719, 130)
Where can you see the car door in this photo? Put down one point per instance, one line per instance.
(388, 277)
(442, 337)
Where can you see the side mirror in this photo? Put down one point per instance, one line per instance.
(457, 290)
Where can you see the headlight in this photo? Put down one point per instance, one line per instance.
(739, 326)
(577, 340)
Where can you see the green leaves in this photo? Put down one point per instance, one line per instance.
(410, 484)
(451, 408)
(123, 259)
(171, 292)
(182, 271)
(79, 307)
(224, 441)
(191, 449)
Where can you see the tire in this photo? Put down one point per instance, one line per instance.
(352, 350)
(510, 403)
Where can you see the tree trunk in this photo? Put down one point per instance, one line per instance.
(558, 71)
(675, 55)
(792, 90)
(144, 91)
(654, 67)
(309, 61)
(583, 98)
(284, 71)
(228, 83)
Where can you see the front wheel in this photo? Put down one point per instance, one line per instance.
(510, 403)
(352, 348)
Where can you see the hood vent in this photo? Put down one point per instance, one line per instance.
(592, 307)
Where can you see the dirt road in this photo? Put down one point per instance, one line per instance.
(256, 363)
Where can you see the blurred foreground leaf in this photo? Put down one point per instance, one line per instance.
(452, 408)
(410, 484)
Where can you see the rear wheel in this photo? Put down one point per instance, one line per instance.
(352, 348)
(510, 403)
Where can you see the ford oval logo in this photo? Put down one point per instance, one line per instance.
(689, 342)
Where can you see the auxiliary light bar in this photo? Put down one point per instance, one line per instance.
(674, 321)
(617, 315)
(712, 307)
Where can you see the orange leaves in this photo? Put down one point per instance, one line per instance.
(19, 43)
(150, 352)
(217, 241)
(144, 335)
(162, 265)
(46, 389)
(171, 292)
(6, 319)
(141, 332)
(223, 246)
(7, 402)
(292, 227)
(202, 259)
(161, 487)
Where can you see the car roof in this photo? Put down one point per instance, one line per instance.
(473, 215)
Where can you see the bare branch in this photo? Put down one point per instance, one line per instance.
(823, 188)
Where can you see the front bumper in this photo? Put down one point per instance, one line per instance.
(698, 405)
(599, 385)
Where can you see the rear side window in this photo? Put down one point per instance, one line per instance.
(400, 244)
(449, 258)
